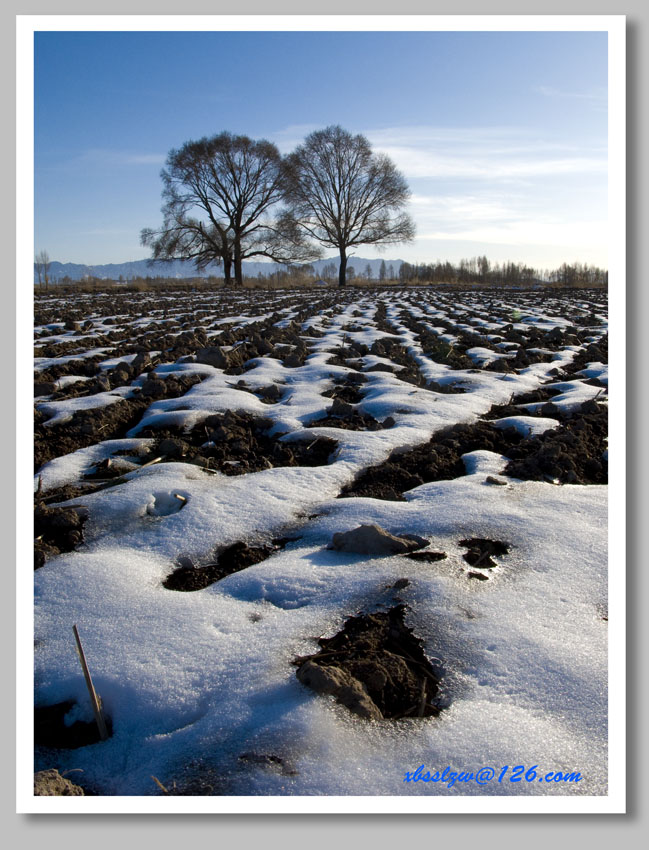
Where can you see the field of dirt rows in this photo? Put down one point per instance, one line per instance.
(314, 540)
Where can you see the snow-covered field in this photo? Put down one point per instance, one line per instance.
(200, 686)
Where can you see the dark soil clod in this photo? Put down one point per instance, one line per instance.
(111, 422)
(570, 454)
(86, 428)
(343, 415)
(376, 667)
(348, 393)
(480, 551)
(57, 530)
(50, 783)
(189, 578)
(237, 443)
(427, 557)
(438, 460)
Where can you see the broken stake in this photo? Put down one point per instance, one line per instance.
(94, 698)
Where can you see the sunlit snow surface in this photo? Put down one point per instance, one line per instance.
(192, 681)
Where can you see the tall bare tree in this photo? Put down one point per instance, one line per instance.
(342, 194)
(219, 194)
(42, 265)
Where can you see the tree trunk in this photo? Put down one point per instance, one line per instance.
(227, 264)
(238, 272)
(342, 270)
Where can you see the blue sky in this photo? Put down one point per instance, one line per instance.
(501, 136)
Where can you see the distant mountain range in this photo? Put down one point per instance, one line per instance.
(184, 269)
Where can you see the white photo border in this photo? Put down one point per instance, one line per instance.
(615, 26)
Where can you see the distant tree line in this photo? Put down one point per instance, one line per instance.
(578, 274)
(42, 265)
(478, 270)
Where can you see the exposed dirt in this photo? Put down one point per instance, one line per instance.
(439, 459)
(525, 345)
(393, 350)
(481, 550)
(152, 386)
(349, 393)
(233, 559)
(270, 394)
(515, 406)
(87, 367)
(593, 353)
(376, 667)
(50, 783)
(450, 388)
(344, 415)
(86, 428)
(56, 530)
(236, 443)
(571, 454)
(439, 350)
(426, 557)
(411, 372)
(64, 493)
(347, 355)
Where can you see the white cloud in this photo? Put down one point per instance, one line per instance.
(472, 153)
(461, 208)
(503, 189)
(292, 136)
(104, 156)
(419, 163)
(512, 219)
(576, 235)
(484, 153)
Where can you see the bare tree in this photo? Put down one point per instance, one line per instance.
(42, 265)
(342, 194)
(218, 196)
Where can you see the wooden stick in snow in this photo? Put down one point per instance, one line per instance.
(94, 699)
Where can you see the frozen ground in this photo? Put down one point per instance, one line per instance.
(199, 686)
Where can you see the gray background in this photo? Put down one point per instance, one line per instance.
(408, 831)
